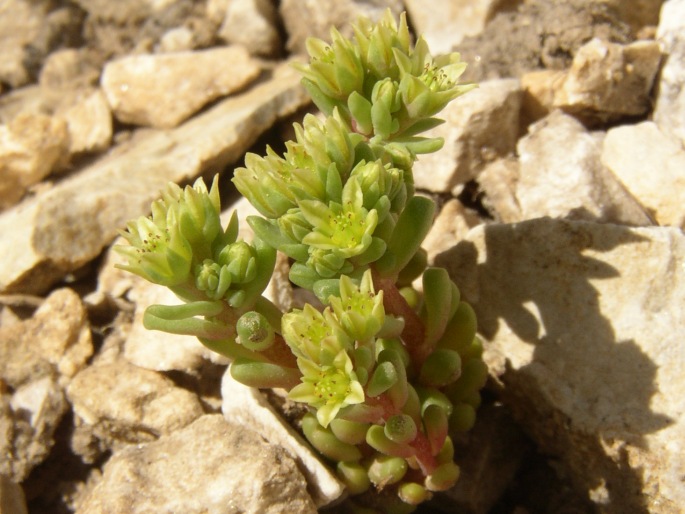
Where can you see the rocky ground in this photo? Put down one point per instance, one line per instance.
(562, 194)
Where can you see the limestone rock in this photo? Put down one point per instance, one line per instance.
(31, 146)
(163, 90)
(651, 166)
(209, 466)
(498, 181)
(250, 23)
(561, 175)
(89, 123)
(539, 88)
(314, 18)
(159, 351)
(480, 126)
(122, 403)
(56, 341)
(247, 407)
(20, 24)
(28, 420)
(669, 110)
(584, 332)
(68, 67)
(12, 500)
(637, 13)
(450, 225)
(447, 22)
(607, 81)
(70, 225)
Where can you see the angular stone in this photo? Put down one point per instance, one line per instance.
(12, 500)
(247, 407)
(448, 22)
(250, 23)
(20, 24)
(163, 90)
(561, 175)
(652, 168)
(210, 466)
(66, 227)
(607, 81)
(637, 13)
(450, 225)
(480, 126)
(539, 88)
(584, 332)
(68, 68)
(140, 405)
(498, 181)
(28, 420)
(669, 109)
(56, 341)
(303, 19)
(89, 123)
(31, 146)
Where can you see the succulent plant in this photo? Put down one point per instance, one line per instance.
(388, 374)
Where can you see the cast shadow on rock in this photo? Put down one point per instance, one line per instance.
(580, 393)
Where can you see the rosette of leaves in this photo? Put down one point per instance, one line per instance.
(388, 375)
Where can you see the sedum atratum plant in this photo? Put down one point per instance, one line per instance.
(388, 374)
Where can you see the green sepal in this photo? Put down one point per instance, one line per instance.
(374, 252)
(334, 185)
(385, 470)
(436, 425)
(441, 368)
(268, 231)
(264, 374)
(354, 476)
(324, 289)
(400, 429)
(350, 432)
(266, 262)
(422, 125)
(376, 438)
(296, 251)
(325, 442)
(360, 109)
(382, 379)
(443, 478)
(437, 302)
(460, 330)
(411, 229)
(303, 276)
(324, 102)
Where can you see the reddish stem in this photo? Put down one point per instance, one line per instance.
(280, 353)
(413, 335)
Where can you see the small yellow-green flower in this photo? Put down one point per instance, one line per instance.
(346, 228)
(328, 387)
(359, 309)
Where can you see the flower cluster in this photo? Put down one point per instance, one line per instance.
(388, 375)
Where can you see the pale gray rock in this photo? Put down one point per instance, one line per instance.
(162, 90)
(68, 67)
(607, 80)
(669, 110)
(160, 351)
(31, 147)
(652, 168)
(248, 407)
(211, 466)
(583, 325)
(314, 18)
(124, 404)
(12, 500)
(480, 126)
(55, 342)
(447, 22)
(21, 23)
(69, 225)
(250, 23)
(28, 420)
(498, 181)
(561, 175)
(178, 39)
(451, 224)
(89, 123)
